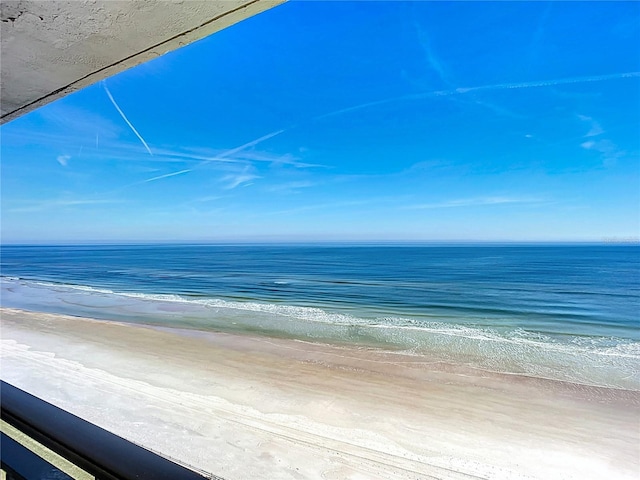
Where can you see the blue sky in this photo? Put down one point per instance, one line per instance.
(362, 121)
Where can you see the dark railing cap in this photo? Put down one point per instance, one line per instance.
(94, 449)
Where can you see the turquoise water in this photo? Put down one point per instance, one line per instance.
(561, 312)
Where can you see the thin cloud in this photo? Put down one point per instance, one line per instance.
(58, 204)
(434, 62)
(209, 198)
(484, 88)
(77, 121)
(234, 181)
(323, 206)
(252, 143)
(191, 157)
(223, 157)
(202, 158)
(152, 179)
(475, 202)
(124, 117)
(160, 177)
(595, 128)
(278, 160)
(538, 35)
(550, 83)
(447, 79)
(236, 155)
(497, 109)
(291, 187)
(386, 201)
(608, 151)
(361, 106)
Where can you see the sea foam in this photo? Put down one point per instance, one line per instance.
(593, 360)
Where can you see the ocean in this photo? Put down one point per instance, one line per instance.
(569, 312)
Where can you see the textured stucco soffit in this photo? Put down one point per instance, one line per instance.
(51, 48)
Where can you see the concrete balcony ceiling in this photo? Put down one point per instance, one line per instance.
(52, 48)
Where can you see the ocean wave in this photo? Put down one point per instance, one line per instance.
(595, 360)
(611, 345)
(9, 278)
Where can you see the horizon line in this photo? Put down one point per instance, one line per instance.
(622, 241)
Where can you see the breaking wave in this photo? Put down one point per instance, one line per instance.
(593, 360)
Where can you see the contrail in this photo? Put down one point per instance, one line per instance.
(435, 64)
(165, 176)
(217, 158)
(499, 86)
(548, 83)
(228, 153)
(153, 179)
(106, 89)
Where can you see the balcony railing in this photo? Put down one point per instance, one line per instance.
(40, 440)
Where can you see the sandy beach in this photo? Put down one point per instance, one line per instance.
(245, 407)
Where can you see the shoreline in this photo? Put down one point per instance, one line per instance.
(282, 408)
(589, 356)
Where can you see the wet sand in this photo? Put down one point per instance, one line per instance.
(246, 407)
